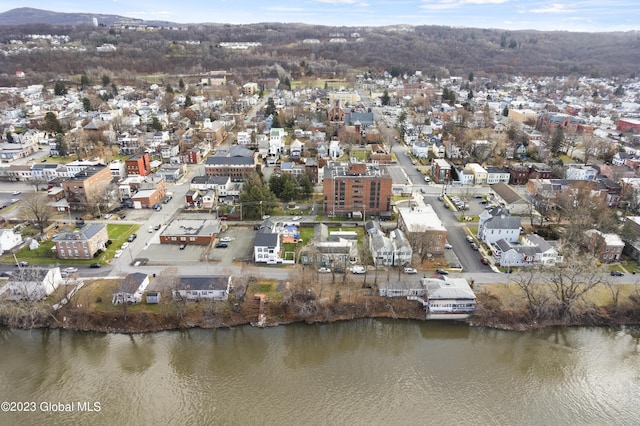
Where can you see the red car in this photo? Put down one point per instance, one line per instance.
(484, 261)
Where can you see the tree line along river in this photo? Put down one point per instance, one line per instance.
(360, 372)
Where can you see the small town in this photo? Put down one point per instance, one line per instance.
(278, 200)
(327, 212)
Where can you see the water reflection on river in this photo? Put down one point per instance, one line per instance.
(364, 372)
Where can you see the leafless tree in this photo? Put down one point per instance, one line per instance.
(569, 281)
(36, 209)
(529, 280)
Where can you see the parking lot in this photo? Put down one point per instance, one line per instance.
(239, 248)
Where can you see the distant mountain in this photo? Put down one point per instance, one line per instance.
(29, 16)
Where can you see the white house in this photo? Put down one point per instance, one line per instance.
(206, 287)
(32, 283)
(420, 149)
(497, 175)
(449, 296)
(496, 225)
(276, 141)
(131, 288)
(335, 149)
(581, 173)
(529, 251)
(9, 240)
(243, 138)
(479, 173)
(507, 197)
(266, 245)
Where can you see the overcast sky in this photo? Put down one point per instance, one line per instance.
(579, 15)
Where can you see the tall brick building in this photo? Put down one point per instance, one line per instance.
(356, 187)
(87, 188)
(139, 164)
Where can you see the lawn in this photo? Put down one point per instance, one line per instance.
(267, 287)
(118, 234)
(97, 294)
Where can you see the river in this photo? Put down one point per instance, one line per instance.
(362, 372)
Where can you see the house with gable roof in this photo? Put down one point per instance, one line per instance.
(497, 224)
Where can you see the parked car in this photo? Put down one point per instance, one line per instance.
(617, 274)
(442, 272)
(17, 192)
(408, 270)
(132, 237)
(22, 263)
(124, 245)
(95, 265)
(338, 270)
(107, 216)
(358, 269)
(150, 229)
(484, 261)
(324, 270)
(157, 227)
(225, 239)
(183, 246)
(474, 246)
(118, 253)
(448, 246)
(70, 270)
(296, 218)
(222, 245)
(469, 238)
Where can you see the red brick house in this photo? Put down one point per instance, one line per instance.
(191, 231)
(82, 244)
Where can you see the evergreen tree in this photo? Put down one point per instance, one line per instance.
(270, 109)
(86, 104)
(51, 123)
(9, 137)
(384, 99)
(59, 89)
(84, 81)
(187, 101)
(557, 140)
(61, 145)
(505, 111)
(181, 84)
(156, 124)
(105, 80)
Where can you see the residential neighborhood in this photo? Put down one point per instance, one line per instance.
(384, 174)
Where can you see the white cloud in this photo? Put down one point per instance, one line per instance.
(338, 1)
(451, 4)
(552, 8)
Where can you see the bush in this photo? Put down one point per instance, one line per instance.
(97, 253)
(98, 299)
(109, 242)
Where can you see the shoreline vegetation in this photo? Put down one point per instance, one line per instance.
(499, 306)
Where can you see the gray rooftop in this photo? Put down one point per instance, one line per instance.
(85, 233)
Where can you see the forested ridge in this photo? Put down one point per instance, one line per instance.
(437, 51)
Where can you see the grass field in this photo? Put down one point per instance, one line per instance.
(44, 255)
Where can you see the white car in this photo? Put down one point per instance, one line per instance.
(124, 245)
(17, 192)
(118, 253)
(225, 239)
(448, 246)
(324, 270)
(108, 215)
(296, 218)
(70, 270)
(410, 270)
(358, 270)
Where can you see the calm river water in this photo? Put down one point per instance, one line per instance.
(364, 372)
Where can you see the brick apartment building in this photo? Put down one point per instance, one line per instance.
(82, 244)
(139, 164)
(86, 189)
(356, 187)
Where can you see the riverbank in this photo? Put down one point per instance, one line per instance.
(498, 307)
